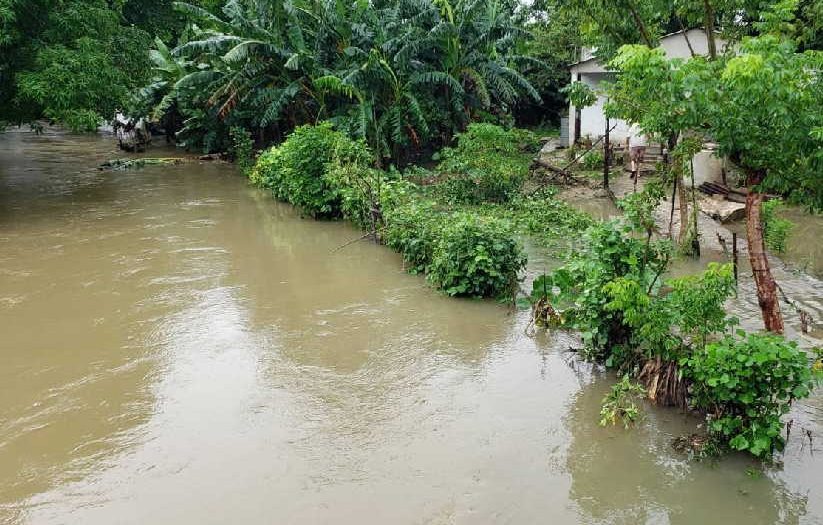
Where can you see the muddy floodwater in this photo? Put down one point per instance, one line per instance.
(178, 348)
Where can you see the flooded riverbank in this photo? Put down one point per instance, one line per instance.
(180, 348)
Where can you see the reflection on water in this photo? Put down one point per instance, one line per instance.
(179, 348)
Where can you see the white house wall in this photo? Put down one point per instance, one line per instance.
(593, 118)
(676, 45)
(592, 72)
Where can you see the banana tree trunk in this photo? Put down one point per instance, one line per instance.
(763, 279)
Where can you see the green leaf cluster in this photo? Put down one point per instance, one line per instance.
(296, 170)
(476, 256)
(605, 288)
(70, 61)
(546, 218)
(488, 164)
(242, 149)
(745, 385)
(621, 404)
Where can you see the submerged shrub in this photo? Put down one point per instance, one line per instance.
(476, 256)
(621, 403)
(489, 164)
(362, 190)
(295, 170)
(746, 385)
(412, 228)
(581, 288)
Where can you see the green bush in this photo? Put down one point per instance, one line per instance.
(359, 190)
(476, 256)
(267, 163)
(592, 160)
(612, 254)
(489, 164)
(746, 385)
(670, 325)
(546, 217)
(296, 170)
(412, 228)
(242, 149)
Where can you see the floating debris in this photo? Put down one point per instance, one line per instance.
(126, 164)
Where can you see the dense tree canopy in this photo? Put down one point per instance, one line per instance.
(76, 61)
(399, 73)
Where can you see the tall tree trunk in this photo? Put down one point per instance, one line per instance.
(641, 26)
(708, 21)
(766, 286)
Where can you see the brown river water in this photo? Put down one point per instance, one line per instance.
(177, 347)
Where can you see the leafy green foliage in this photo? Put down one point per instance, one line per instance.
(546, 58)
(399, 75)
(545, 217)
(489, 164)
(611, 254)
(746, 385)
(621, 403)
(296, 170)
(72, 61)
(464, 253)
(670, 325)
(580, 94)
(606, 25)
(756, 104)
(363, 189)
(77, 85)
(242, 149)
(592, 160)
(476, 256)
(614, 263)
(413, 228)
(776, 230)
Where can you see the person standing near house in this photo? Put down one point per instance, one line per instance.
(637, 150)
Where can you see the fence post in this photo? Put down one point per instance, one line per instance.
(606, 157)
(734, 256)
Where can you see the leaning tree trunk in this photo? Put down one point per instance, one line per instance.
(766, 286)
